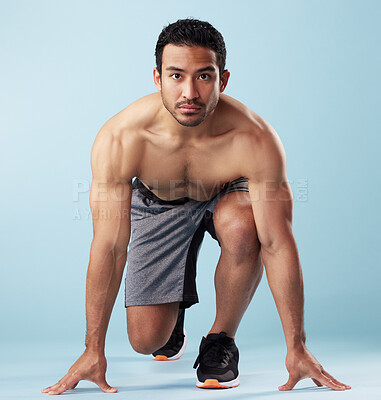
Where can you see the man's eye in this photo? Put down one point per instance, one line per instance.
(176, 76)
(204, 77)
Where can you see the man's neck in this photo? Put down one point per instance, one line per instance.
(178, 131)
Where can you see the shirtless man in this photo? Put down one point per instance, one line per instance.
(201, 161)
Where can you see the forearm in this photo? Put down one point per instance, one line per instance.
(285, 279)
(102, 285)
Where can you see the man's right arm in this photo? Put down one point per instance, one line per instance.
(110, 202)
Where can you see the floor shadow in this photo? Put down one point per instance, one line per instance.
(180, 384)
(145, 358)
(127, 359)
(313, 389)
(293, 391)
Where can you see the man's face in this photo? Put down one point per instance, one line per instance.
(190, 84)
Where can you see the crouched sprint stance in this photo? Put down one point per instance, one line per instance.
(165, 238)
(167, 168)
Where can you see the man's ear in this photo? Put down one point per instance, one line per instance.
(157, 79)
(224, 80)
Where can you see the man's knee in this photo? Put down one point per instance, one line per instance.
(235, 226)
(147, 341)
(150, 327)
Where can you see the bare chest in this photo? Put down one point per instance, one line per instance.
(198, 172)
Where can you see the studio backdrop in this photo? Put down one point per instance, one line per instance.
(310, 68)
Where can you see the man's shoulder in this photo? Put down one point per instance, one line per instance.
(135, 116)
(255, 140)
(128, 126)
(249, 127)
(120, 141)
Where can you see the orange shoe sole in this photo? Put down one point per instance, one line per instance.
(165, 358)
(214, 384)
(176, 356)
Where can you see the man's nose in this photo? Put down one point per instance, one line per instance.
(190, 90)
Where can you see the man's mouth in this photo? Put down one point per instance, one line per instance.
(189, 108)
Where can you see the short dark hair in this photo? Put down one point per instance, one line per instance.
(191, 32)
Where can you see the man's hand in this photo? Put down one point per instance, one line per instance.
(301, 364)
(91, 366)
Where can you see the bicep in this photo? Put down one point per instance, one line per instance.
(113, 168)
(110, 205)
(270, 192)
(272, 208)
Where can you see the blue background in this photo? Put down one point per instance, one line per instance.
(310, 68)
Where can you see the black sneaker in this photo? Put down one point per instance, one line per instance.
(176, 344)
(218, 362)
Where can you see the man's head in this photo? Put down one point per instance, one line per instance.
(191, 32)
(190, 72)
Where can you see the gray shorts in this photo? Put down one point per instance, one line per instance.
(164, 244)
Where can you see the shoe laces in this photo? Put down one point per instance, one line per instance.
(213, 354)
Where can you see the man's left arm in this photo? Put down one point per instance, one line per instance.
(271, 199)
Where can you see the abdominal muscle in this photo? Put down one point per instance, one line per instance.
(172, 189)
